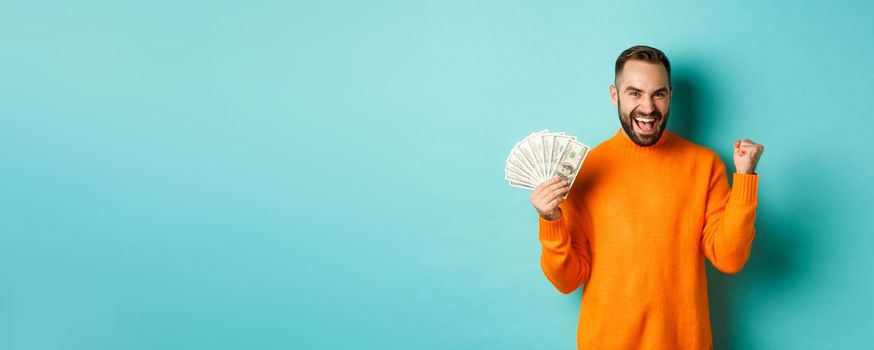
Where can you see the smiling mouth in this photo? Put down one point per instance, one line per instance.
(645, 125)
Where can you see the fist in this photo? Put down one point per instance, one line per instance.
(746, 155)
(548, 196)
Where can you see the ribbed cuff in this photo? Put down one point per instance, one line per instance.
(552, 230)
(744, 188)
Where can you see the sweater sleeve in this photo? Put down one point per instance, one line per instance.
(565, 258)
(730, 216)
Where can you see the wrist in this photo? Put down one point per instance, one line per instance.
(555, 215)
(745, 168)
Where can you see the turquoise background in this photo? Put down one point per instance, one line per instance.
(303, 175)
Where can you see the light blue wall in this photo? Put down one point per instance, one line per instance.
(273, 175)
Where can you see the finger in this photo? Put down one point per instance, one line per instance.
(556, 193)
(752, 149)
(547, 203)
(548, 183)
(751, 154)
(539, 189)
(552, 204)
(551, 188)
(548, 196)
(754, 153)
(537, 194)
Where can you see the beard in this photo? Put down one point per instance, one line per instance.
(638, 139)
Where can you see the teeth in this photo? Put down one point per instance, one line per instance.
(648, 120)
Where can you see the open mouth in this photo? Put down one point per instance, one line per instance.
(645, 125)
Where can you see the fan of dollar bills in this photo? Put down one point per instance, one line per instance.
(542, 156)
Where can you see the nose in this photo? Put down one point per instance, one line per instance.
(646, 106)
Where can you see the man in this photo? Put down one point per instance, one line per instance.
(646, 209)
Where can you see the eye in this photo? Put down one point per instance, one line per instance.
(634, 93)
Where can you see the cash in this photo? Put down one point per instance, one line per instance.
(544, 155)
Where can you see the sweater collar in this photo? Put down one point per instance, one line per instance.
(623, 142)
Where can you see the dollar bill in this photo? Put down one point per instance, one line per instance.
(543, 155)
(570, 162)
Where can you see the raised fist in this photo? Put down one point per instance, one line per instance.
(746, 155)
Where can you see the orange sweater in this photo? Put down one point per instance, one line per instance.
(636, 228)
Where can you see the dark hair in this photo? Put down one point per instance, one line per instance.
(643, 53)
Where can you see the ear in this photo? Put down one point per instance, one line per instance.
(614, 95)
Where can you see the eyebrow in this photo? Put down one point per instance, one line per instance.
(632, 88)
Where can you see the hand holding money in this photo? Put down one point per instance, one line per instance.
(548, 163)
(548, 196)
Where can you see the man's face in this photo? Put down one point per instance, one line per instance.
(565, 170)
(642, 96)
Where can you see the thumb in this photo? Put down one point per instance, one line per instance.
(738, 150)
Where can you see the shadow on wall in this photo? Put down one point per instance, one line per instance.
(779, 245)
(775, 261)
